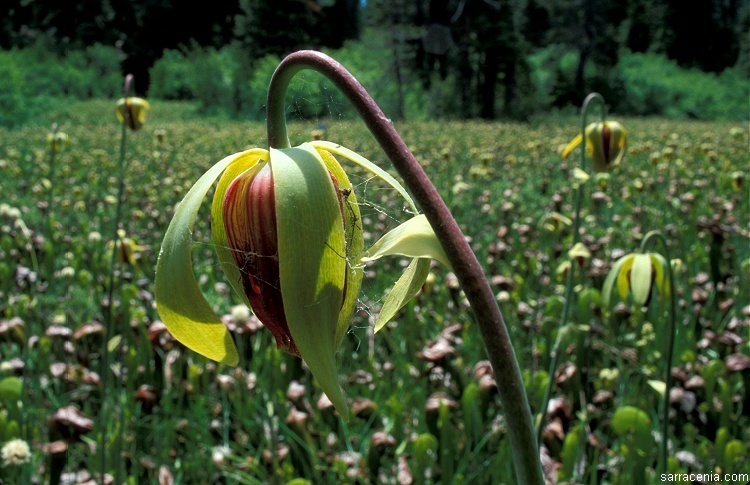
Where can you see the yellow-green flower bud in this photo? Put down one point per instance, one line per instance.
(133, 112)
(58, 141)
(605, 144)
(637, 274)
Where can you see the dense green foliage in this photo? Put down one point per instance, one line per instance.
(225, 81)
(423, 402)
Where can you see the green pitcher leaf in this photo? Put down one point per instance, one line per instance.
(179, 300)
(10, 390)
(413, 238)
(630, 420)
(404, 290)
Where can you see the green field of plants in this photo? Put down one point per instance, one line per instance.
(96, 385)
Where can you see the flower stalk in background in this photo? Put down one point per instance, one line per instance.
(132, 114)
(637, 274)
(605, 146)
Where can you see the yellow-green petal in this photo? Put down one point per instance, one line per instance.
(623, 276)
(354, 244)
(572, 146)
(640, 278)
(413, 238)
(614, 278)
(660, 265)
(367, 165)
(312, 260)
(405, 289)
(179, 300)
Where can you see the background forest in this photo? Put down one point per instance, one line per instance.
(421, 59)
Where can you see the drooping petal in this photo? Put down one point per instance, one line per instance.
(614, 278)
(179, 300)
(312, 260)
(416, 239)
(641, 277)
(571, 146)
(660, 265)
(367, 165)
(354, 243)
(413, 238)
(405, 289)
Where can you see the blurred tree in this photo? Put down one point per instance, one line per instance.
(591, 28)
(482, 43)
(141, 29)
(401, 23)
(280, 27)
(702, 33)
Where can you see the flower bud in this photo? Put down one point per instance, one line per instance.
(287, 232)
(58, 141)
(636, 274)
(605, 144)
(133, 112)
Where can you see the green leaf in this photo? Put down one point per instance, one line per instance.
(404, 290)
(425, 451)
(660, 266)
(179, 300)
(354, 245)
(413, 238)
(312, 262)
(640, 278)
(571, 451)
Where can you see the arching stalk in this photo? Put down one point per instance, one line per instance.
(467, 268)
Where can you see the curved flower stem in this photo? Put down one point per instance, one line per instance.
(670, 346)
(469, 272)
(571, 273)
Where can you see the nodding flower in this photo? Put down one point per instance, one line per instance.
(288, 234)
(133, 112)
(606, 144)
(637, 274)
(58, 141)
